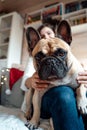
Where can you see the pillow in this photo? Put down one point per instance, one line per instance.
(15, 99)
(14, 75)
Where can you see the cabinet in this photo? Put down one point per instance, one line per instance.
(75, 12)
(11, 32)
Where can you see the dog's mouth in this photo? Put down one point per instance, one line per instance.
(53, 78)
(52, 68)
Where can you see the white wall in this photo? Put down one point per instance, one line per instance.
(79, 46)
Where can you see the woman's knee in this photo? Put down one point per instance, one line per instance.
(63, 95)
(58, 98)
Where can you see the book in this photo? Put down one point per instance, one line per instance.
(73, 6)
(51, 11)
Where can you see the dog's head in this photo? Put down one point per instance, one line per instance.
(51, 55)
(51, 58)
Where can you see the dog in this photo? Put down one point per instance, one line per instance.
(53, 60)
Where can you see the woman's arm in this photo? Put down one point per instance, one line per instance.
(36, 83)
(82, 76)
(29, 71)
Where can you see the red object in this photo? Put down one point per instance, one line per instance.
(14, 75)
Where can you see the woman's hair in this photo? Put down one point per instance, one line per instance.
(46, 25)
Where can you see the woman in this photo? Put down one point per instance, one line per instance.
(59, 102)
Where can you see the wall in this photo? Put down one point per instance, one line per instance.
(79, 46)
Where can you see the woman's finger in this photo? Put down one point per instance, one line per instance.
(40, 86)
(83, 73)
(84, 78)
(82, 82)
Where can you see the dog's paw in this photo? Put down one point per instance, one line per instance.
(32, 126)
(82, 105)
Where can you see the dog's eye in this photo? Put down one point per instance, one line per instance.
(61, 53)
(39, 56)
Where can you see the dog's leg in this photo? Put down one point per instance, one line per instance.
(36, 105)
(82, 99)
(34, 122)
(28, 97)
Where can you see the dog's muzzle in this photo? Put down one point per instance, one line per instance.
(52, 66)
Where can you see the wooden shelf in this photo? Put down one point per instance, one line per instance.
(3, 45)
(5, 29)
(77, 19)
(79, 28)
(33, 24)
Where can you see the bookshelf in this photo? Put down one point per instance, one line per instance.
(36, 18)
(74, 12)
(52, 11)
(76, 17)
(33, 17)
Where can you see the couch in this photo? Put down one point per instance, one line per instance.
(11, 98)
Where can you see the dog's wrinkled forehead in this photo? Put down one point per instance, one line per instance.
(48, 46)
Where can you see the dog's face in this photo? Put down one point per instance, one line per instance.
(51, 55)
(51, 58)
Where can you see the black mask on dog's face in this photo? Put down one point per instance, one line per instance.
(53, 66)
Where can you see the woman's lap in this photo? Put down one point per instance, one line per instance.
(60, 104)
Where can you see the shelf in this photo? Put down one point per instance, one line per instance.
(58, 17)
(33, 24)
(77, 18)
(3, 45)
(4, 35)
(3, 52)
(5, 29)
(6, 22)
(52, 11)
(79, 28)
(33, 17)
(75, 13)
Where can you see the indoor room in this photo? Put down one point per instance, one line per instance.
(26, 53)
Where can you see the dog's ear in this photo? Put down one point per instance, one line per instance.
(64, 31)
(32, 37)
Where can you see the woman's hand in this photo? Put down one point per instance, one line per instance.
(82, 78)
(36, 83)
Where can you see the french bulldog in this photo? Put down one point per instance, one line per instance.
(54, 61)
